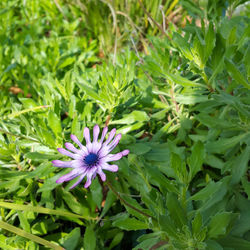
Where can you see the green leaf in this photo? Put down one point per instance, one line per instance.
(89, 240)
(236, 74)
(183, 81)
(242, 225)
(147, 244)
(197, 224)
(206, 192)
(234, 243)
(246, 185)
(167, 225)
(55, 123)
(116, 240)
(96, 191)
(213, 245)
(89, 91)
(41, 210)
(35, 156)
(209, 40)
(139, 148)
(23, 221)
(135, 116)
(224, 144)
(130, 224)
(108, 202)
(196, 159)
(176, 212)
(183, 45)
(72, 239)
(219, 224)
(29, 236)
(240, 166)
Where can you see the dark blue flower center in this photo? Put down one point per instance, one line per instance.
(91, 159)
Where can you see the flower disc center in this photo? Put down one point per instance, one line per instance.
(91, 159)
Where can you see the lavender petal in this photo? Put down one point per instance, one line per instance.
(102, 175)
(62, 164)
(71, 147)
(86, 135)
(67, 153)
(75, 139)
(107, 149)
(67, 177)
(111, 135)
(111, 168)
(78, 181)
(111, 157)
(96, 131)
(104, 132)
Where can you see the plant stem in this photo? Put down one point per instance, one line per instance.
(126, 203)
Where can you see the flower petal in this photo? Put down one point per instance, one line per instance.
(104, 132)
(111, 168)
(102, 175)
(72, 148)
(96, 131)
(111, 135)
(67, 153)
(78, 181)
(90, 175)
(67, 177)
(75, 139)
(125, 152)
(62, 164)
(78, 164)
(86, 135)
(107, 149)
(114, 157)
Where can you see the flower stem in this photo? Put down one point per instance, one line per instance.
(126, 203)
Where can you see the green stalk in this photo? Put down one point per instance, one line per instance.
(29, 236)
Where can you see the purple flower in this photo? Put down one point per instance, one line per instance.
(92, 159)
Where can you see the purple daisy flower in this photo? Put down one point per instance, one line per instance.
(92, 159)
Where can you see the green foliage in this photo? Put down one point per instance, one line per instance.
(172, 77)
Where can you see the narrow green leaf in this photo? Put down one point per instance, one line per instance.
(41, 210)
(234, 243)
(130, 224)
(89, 239)
(183, 81)
(209, 40)
(240, 166)
(72, 239)
(197, 224)
(219, 224)
(29, 236)
(135, 116)
(224, 144)
(175, 210)
(236, 74)
(206, 192)
(196, 159)
(54, 123)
